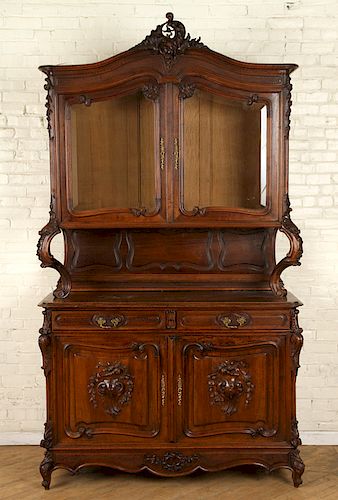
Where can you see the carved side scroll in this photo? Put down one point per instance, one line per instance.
(49, 102)
(294, 254)
(47, 233)
(170, 40)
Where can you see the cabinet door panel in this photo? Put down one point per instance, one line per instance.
(230, 386)
(109, 389)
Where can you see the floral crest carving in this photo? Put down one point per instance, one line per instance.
(170, 40)
(173, 461)
(112, 385)
(229, 383)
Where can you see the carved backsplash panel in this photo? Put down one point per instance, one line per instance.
(175, 252)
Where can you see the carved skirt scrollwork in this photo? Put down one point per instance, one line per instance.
(228, 384)
(173, 461)
(47, 233)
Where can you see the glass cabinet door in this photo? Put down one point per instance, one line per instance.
(114, 155)
(223, 154)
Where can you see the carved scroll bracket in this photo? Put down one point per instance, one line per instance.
(47, 233)
(296, 250)
(170, 40)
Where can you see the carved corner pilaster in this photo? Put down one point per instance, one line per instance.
(47, 465)
(47, 233)
(296, 340)
(49, 99)
(295, 253)
(288, 104)
(45, 342)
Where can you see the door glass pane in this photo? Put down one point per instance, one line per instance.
(224, 152)
(113, 154)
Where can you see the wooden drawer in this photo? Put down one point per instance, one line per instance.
(108, 320)
(228, 319)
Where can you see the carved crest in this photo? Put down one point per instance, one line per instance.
(170, 40)
(173, 461)
(112, 385)
(229, 383)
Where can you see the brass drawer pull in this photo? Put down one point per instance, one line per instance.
(233, 320)
(112, 322)
(179, 390)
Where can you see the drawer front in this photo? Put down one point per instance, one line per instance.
(108, 321)
(230, 320)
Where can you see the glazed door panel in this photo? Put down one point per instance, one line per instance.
(109, 390)
(230, 387)
(114, 159)
(226, 156)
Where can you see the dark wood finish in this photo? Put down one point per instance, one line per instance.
(170, 343)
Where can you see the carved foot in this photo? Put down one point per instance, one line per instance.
(46, 468)
(297, 466)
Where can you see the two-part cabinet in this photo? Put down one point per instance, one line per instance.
(170, 343)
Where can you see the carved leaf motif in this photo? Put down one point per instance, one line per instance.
(112, 385)
(151, 91)
(173, 461)
(229, 383)
(186, 90)
(170, 40)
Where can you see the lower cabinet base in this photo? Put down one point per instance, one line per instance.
(172, 462)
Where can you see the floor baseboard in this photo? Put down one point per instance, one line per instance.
(34, 438)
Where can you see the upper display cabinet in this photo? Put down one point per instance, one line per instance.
(169, 133)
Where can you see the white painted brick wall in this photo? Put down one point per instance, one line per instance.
(34, 32)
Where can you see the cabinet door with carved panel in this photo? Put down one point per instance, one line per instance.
(109, 389)
(231, 386)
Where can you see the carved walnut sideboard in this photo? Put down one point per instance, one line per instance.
(170, 343)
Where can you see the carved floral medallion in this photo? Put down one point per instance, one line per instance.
(228, 384)
(111, 387)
